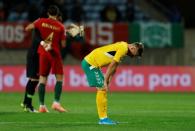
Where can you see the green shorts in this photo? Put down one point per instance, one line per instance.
(94, 75)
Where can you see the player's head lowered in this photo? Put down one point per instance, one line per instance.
(53, 10)
(135, 49)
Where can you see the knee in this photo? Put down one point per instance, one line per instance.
(42, 80)
(101, 89)
(59, 77)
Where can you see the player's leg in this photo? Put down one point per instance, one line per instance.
(102, 105)
(57, 94)
(96, 79)
(29, 93)
(31, 85)
(58, 87)
(41, 91)
(102, 101)
(57, 69)
(44, 69)
(32, 73)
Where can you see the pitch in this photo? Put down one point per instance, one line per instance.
(133, 111)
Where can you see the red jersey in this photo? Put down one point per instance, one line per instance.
(51, 30)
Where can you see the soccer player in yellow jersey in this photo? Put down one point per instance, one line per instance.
(109, 55)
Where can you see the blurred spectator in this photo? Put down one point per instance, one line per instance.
(2, 12)
(130, 10)
(110, 14)
(77, 12)
(18, 13)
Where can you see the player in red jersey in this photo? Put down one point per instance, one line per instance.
(52, 32)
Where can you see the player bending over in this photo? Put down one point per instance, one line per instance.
(109, 55)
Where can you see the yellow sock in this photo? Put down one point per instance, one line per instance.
(101, 101)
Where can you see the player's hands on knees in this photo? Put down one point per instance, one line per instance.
(46, 45)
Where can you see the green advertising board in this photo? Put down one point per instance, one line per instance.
(157, 35)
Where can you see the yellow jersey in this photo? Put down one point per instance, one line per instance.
(104, 55)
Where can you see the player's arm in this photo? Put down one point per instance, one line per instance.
(63, 38)
(121, 52)
(63, 43)
(110, 72)
(33, 25)
(29, 27)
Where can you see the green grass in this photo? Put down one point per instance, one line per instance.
(135, 111)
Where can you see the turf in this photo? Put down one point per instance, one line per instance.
(134, 111)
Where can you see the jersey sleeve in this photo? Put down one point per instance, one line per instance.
(121, 51)
(37, 23)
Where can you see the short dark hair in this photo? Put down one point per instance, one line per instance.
(53, 10)
(140, 47)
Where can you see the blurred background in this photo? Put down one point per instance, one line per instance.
(167, 29)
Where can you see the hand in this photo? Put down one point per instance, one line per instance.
(76, 30)
(46, 45)
(81, 30)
